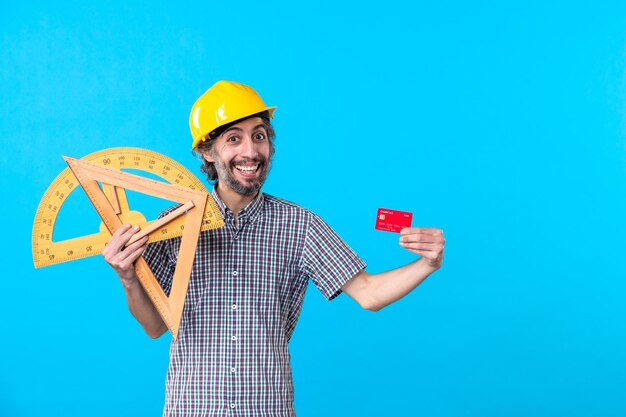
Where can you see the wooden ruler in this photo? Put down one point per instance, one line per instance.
(46, 251)
(105, 187)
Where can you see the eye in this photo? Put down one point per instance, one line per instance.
(232, 138)
(259, 136)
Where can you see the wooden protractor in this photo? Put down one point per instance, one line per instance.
(48, 252)
(105, 187)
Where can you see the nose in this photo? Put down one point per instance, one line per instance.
(248, 148)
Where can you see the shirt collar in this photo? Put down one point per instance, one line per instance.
(250, 211)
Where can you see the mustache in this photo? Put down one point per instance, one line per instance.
(256, 160)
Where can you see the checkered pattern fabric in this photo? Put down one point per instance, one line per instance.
(245, 296)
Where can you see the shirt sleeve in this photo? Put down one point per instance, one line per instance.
(327, 259)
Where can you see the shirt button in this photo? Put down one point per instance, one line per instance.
(232, 370)
(233, 338)
(234, 306)
(232, 405)
(234, 273)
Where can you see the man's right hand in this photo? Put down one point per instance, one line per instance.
(122, 257)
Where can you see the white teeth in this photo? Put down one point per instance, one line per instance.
(247, 168)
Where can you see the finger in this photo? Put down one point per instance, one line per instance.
(117, 235)
(137, 244)
(125, 259)
(117, 250)
(121, 236)
(422, 230)
(130, 249)
(136, 253)
(430, 247)
(424, 238)
(121, 230)
(432, 257)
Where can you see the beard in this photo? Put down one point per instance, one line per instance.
(249, 187)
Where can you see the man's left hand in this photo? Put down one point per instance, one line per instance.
(425, 241)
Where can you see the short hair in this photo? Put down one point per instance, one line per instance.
(208, 144)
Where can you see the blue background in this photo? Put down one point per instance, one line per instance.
(503, 124)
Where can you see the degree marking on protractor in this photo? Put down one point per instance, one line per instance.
(48, 252)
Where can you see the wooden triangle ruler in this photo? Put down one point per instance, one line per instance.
(48, 251)
(197, 212)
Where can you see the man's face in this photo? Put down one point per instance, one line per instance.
(242, 156)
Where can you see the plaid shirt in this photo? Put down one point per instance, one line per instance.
(245, 295)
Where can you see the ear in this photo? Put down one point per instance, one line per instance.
(207, 156)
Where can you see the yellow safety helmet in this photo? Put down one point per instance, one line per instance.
(222, 104)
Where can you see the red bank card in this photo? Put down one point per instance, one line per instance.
(393, 220)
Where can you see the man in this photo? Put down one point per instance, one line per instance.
(250, 276)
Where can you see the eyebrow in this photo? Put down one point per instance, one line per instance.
(241, 130)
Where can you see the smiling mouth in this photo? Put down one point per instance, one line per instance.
(247, 169)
